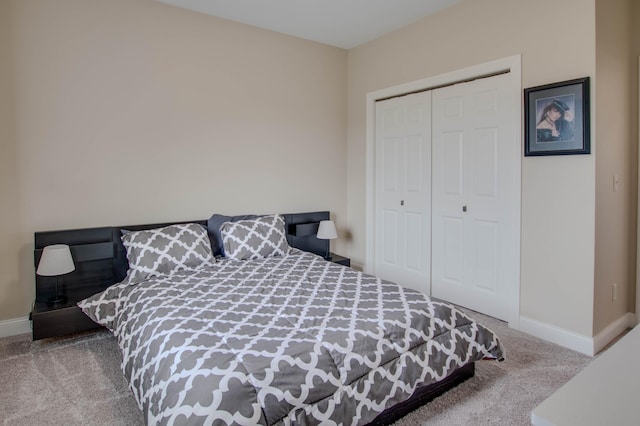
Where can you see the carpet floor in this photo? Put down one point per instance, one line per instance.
(76, 380)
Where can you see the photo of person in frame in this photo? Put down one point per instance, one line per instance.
(555, 119)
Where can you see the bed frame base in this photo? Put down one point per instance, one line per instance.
(423, 395)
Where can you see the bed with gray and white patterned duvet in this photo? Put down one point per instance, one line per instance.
(282, 340)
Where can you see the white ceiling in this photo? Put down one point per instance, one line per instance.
(340, 23)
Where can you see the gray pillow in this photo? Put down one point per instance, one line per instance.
(213, 228)
(163, 251)
(254, 239)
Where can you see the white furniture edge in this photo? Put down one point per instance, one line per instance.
(604, 392)
(575, 341)
(538, 421)
(14, 327)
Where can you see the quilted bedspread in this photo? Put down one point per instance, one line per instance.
(283, 340)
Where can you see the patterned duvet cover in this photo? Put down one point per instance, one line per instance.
(283, 340)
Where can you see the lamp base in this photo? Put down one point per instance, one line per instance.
(57, 299)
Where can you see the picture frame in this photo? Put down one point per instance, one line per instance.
(557, 118)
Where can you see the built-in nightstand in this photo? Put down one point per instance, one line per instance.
(58, 320)
(341, 260)
(92, 253)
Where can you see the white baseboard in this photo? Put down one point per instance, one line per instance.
(612, 331)
(15, 326)
(568, 339)
(557, 335)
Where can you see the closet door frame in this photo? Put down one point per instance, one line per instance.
(513, 66)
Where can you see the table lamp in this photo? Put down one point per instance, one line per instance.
(327, 231)
(56, 260)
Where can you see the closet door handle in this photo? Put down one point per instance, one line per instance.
(464, 209)
(402, 202)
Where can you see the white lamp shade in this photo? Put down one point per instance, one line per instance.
(56, 260)
(327, 230)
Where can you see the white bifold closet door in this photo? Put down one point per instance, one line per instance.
(475, 196)
(403, 190)
(446, 195)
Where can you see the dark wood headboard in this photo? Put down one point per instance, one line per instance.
(100, 257)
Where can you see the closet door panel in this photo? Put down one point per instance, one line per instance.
(403, 190)
(474, 199)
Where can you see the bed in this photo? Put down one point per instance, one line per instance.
(271, 332)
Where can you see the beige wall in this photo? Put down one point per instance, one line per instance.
(13, 293)
(558, 199)
(132, 111)
(615, 211)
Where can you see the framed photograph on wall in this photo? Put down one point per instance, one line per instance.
(557, 118)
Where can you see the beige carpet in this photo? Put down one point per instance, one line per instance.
(77, 381)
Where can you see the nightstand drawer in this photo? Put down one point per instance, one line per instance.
(59, 322)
